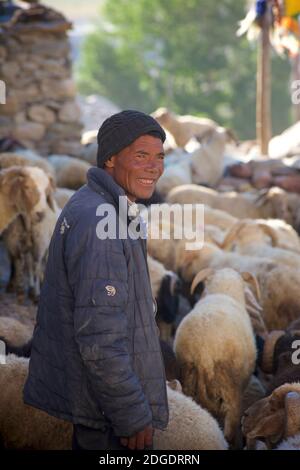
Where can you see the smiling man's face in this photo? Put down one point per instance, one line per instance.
(137, 167)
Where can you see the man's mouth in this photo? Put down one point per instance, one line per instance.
(146, 181)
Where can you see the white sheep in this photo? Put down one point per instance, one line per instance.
(183, 128)
(291, 443)
(280, 296)
(286, 235)
(166, 244)
(27, 237)
(19, 193)
(175, 174)
(14, 332)
(248, 237)
(214, 345)
(22, 426)
(208, 160)
(26, 158)
(70, 172)
(190, 426)
(271, 204)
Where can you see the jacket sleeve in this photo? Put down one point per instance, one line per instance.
(97, 270)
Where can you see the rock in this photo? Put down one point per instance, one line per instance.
(32, 93)
(20, 117)
(89, 153)
(42, 114)
(28, 131)
(60, 129)
(53, 89)
(11, 106)
(70, 112)
(290, 183)
(9, 71)
(67, 148)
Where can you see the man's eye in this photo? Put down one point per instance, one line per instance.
(140, 155)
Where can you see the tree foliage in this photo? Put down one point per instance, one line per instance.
(183, 55)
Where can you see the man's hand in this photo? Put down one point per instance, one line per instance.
(140, 440)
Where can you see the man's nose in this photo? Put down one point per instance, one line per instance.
(154, 166)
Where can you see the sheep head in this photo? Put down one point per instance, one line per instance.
(19, 188)
(162, 115)
(277, 200)
(222, 281)
(274, 417)
(191, 262)
(246, 231)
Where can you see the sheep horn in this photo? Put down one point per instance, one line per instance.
(251, 300)
(249, 277)
(201, 276)
(232, 234)
(257, 322)
(173, 282)
(175, 385)
(292, 415)
(262, 197)
(269, 346)
(270, 232)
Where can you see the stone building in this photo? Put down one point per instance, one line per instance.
(35, 65)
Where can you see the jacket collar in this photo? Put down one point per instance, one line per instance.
(101, 182)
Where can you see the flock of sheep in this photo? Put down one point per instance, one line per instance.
(228, 314)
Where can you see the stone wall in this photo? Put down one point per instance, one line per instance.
(40, 110)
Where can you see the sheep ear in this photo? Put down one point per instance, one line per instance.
(201, 276)
(20, 189)
(249, 277)
(232, 234)
(175, 385)
(292, 414)
(270, 232)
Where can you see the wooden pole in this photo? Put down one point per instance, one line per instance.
(295, 75)
(263, 95)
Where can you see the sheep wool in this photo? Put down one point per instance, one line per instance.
(190, 427)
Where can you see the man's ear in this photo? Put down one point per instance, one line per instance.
(111, 162)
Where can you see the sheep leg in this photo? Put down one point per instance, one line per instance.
(20, 284)
(232, 429)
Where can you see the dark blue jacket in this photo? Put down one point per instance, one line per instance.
(96, 356)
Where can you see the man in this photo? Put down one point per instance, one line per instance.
(96, 358)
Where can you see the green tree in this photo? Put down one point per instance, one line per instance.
(184, 55)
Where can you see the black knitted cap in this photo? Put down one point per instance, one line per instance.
(121, 129)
